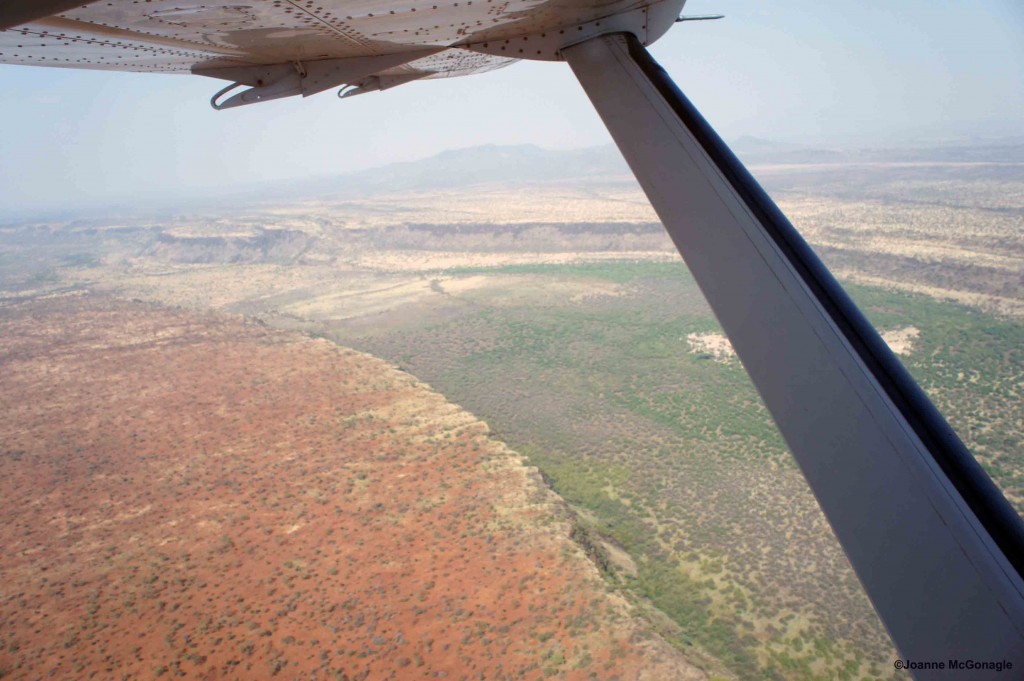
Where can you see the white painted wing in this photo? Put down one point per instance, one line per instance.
(176, 36)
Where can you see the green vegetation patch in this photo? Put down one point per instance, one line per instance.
(668, 454)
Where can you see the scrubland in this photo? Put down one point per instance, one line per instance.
(561, 317)
(194, 495)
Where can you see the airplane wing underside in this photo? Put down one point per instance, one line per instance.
(311, 46)
(168, 36)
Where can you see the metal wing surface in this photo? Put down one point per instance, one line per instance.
(169, 36)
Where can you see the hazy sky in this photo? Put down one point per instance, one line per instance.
(867, 73)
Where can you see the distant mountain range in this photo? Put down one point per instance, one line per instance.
(524, 165)
(529, 164)
(489, 164)
(753, 150)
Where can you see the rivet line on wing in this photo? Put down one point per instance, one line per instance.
(349, 34)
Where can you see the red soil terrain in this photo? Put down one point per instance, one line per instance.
(194, 495)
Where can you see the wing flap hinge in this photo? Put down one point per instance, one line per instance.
(274, 81)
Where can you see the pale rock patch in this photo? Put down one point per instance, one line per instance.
(714, 344)
(901, 341)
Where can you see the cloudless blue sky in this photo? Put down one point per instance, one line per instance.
(869, 73)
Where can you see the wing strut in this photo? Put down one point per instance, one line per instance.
(938, 549)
